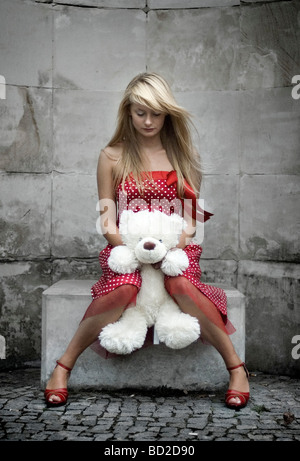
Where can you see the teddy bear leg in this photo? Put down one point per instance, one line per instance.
(125, 335)
(175, 328)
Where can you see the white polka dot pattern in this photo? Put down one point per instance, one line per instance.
(164, 198)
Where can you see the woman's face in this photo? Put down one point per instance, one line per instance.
(147, 122)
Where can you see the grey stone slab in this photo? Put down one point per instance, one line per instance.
(220, 236)
(25, 130)
(21, 285)
(195, 49)
(219, 271)
(26, 43)
(269, 52)
(216, 116)
(107, 3)
(272, 314)
(74, 216)
(261, 1)
(196, 367)
(80, 268)
(25, 215)
(269, 217)
(171, 4)
(270, 135)
(83, 123)
(104, 60)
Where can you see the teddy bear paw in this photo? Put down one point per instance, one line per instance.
(175, 262)
(178, 332)
(126, 335)
(122, 260)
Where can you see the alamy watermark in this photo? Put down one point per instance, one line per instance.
(296, 349)
(109, 212)
(296, 88)
(2, 87)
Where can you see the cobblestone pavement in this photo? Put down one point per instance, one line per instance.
(273, 413)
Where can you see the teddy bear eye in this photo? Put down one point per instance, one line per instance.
(160, 240)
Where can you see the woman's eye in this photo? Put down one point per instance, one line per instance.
(140, 114)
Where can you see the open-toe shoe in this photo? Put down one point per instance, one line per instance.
(62, 393)
(235, 394)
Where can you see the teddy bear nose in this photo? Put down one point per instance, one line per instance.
(149, 246)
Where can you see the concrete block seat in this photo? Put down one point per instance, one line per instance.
(197, 367)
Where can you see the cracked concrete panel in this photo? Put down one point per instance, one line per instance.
(25, 215)
(74, 217)
(21, 288)
(195, 49)
(270, 135)
(269, 217)
(220, 195)
(98, 49)
(270, 39)
(25, 130)
(261, 1)
(76, 269)
(272, 292)
(83, 124)
(216, 119)
(159, 4)
(107, 3)
(26, 43)
(217, 271)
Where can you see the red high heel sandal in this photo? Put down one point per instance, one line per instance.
(62, 392)
(231, 393)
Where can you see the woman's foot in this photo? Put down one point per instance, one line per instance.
(238, 394)
(56, 392)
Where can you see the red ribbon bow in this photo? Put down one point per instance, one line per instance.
(192, 208)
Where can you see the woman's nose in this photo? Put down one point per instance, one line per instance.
(148, 120)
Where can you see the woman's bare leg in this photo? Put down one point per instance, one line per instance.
(102, 311)
(220, 340)
(87, 332)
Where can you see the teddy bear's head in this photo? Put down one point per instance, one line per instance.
(150, 234)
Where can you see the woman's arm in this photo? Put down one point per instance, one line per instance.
(107, 200)
(185, 239)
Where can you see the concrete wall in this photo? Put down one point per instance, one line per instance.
(231, 63)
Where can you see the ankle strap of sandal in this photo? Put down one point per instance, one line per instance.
(63, 366)
(238, 366)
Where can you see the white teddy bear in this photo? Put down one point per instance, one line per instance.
(150, 237)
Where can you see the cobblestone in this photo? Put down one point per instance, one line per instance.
(273, 413)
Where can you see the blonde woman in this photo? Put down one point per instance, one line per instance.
(151, 157)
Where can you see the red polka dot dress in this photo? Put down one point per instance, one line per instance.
(159, 193)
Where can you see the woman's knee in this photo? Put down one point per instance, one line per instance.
(177, 285)
(126, 292)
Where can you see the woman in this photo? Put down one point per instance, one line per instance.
(151, 150)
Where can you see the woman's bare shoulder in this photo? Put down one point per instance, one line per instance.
(112, 153)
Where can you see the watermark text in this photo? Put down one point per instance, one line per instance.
(296, 349)
(296, 88)
(2, 87)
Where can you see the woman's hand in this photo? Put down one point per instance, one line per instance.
(156, 265)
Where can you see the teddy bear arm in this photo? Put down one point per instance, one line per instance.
(175, 262)
(123, 260)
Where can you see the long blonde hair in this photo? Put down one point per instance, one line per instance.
(152, 91)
